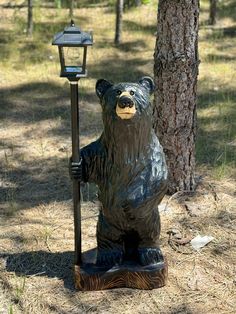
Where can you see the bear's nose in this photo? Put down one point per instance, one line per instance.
(125, 101)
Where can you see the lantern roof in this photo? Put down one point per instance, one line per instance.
(72, 36)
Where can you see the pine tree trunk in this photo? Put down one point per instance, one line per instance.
(175, 71)
(71, 13)
(119, 15)
(212, 13)
(30, 18)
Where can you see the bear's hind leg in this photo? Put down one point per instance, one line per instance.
(110, 249)
(149, 251)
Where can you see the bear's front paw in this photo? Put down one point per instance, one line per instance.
(75, 170)
(148, 256)
(106, 257)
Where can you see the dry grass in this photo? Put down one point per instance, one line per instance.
(37, 259)
(36, 235)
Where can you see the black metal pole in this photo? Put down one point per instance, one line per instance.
(76, 158)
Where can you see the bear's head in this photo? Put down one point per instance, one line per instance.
(125, 103)
(127, 116)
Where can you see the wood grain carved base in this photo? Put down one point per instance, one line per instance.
(89, 277)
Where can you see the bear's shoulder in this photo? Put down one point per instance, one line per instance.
(157, 162)
(95, 148)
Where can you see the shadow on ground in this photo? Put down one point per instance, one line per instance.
(126, 70)
(134, 26)
(33, 102)
(217, 34)
(34, 183)
(215, 144)
(181, 309)
(5, 39)
(216, 58)
(39, 101)
(42, 263)
(43, 179)
(226, 9)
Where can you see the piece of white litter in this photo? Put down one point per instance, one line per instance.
(198, 242)
(163, 208)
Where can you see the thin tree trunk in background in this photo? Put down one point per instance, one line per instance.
(58, 4)
(127, 4)
(30, 18)
(119, 16)
(176, 71)
(212, 12)
(72, 3)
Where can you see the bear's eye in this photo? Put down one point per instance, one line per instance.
(131, 92)
(118, 92)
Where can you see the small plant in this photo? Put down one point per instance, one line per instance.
(20, 288)
(10, 311)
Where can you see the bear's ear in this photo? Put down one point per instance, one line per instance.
(101, 87)
(147, 82)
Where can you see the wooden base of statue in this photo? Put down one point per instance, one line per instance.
(90, 277)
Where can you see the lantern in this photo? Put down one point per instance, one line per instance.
(72, 46)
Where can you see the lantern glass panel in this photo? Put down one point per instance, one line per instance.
(73, 58)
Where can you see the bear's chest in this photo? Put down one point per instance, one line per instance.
(130, 182)
(118, 180)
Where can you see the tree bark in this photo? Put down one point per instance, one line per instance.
(71, 13)
(176, 70)
(119, 16)
(30, 18)
(212, 12)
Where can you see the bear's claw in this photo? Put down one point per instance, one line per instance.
(75, 170)
(148, 256)
(109, 257)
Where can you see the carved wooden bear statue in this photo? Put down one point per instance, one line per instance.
(128, 165)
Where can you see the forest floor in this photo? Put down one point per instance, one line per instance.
(36, 219)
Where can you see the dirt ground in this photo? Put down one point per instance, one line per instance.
(36, 236)
(36, 259)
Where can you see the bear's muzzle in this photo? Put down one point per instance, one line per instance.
(125, 107)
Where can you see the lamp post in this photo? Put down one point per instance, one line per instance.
(72, 47)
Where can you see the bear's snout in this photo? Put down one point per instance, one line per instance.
(125, 106)
(125, 101)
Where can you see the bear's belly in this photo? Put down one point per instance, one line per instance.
(126, 205)
(113, 197)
